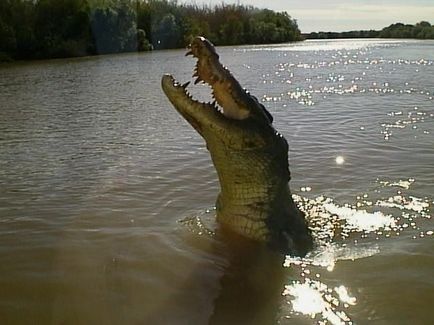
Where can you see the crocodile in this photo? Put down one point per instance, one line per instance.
(249, 155)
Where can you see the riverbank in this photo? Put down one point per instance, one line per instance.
(45, 29)
(422, 30)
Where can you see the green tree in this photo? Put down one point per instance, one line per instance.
(8, 42)
(61, 27)
(193, 27)
(114, 28)
(267, 26)
(166, 33)
(422, 30)
(142, 42)
(232, 31)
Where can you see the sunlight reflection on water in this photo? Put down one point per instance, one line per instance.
(326, 45)
(96, 172)
(333, 225)
(342, 233)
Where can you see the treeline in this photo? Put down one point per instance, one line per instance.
(36, 29)
(337, 35)
(422, 30)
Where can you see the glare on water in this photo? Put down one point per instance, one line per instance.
(107, 194)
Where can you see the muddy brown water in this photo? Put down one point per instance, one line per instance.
(107, 194)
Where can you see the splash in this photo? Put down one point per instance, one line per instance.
(201, 224)
(342, 232)
(313, 297)
(327, 256)
(347, 232)
(361, 220)
(401, 202)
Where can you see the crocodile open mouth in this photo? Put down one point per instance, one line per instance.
(228, 95)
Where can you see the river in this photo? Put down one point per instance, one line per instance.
(107, 194)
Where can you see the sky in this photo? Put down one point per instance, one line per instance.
(344, 15)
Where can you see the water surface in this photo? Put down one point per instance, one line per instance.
(107, 194)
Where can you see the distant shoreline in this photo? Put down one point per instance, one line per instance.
(51, 29)
(422, 31)
(8, 61)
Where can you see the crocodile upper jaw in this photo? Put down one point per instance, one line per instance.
(233, 101)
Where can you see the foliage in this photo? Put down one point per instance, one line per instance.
(171, 25)
(114, 28)
(422, 30)
(350, 34)
(62, 28)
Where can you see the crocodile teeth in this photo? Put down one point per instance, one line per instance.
(185, 85)
(190, 52)
(197, 80)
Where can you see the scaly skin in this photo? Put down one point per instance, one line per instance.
(250, 156)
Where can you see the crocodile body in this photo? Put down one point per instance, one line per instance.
(250, 156)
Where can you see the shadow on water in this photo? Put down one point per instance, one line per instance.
(248, 290)
(251, 285)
